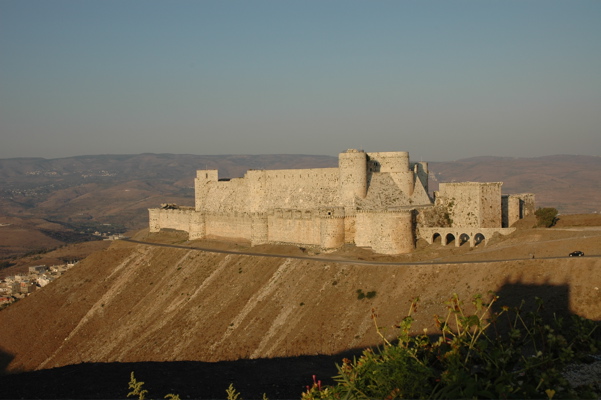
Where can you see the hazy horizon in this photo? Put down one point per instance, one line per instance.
(443, 80)
(334, 156)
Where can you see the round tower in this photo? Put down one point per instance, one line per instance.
(404, 232)
(394, 161)
(398, 165)
(352, 166)
(396, 233)
(331, 230)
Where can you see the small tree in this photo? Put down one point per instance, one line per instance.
(546, 217)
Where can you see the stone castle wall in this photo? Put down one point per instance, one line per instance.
(232, 225)
(304, 227)
(301, 189)
(389, 232)
(472, 204)
(490, 205)
(371, 200)
(516, 207)
(260, 191)
(178, 219)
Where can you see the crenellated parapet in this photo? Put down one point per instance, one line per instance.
(371, 200)
(331, 212)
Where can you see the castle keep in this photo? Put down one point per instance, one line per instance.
(376, 200)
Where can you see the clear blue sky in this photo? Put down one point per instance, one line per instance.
(443, 80)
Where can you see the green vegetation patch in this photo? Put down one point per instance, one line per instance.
(546, 217)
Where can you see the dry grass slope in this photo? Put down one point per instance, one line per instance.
(136, 302)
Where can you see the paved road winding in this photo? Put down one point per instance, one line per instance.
(335, 260)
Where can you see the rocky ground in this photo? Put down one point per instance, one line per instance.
(192, 322)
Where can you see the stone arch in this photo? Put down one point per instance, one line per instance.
(479, 238)
(463, 239)
(449, 237)
(436, 238)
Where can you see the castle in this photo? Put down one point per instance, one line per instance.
(376, 200)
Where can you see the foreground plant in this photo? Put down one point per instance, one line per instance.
(137, 391)
(508, 353)
(486, 354)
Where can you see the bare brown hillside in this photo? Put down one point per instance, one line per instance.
(142, 303)
(19, 236)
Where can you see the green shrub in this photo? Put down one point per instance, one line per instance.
(368, 295)
(470, 358)
(546, 217)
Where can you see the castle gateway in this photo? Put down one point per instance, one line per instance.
(376, 200)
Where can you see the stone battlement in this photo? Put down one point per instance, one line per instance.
(371, 200)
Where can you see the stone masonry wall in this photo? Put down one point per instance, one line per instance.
(331, 232)
(511, 210)
(226, 197)
(527, 202)
(235, 226)
(462, 202)
(397, 165)
(178, 219)
(490, 205)
(383, 194)
(293, 226)
(472, 204)
(302, 189)
(371, 199)
(386, 232)
(515, 207)
(353, 176)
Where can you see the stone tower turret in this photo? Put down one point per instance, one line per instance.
(203, 178)
(353, 176)
(396, 163)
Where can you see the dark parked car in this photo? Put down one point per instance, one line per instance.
(576, 254)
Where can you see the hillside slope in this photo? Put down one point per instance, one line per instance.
(136, 302)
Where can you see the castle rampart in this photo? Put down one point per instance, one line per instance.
(371, 200)
(178, 219)
(516, 207)
(386, 232)
(472, 204)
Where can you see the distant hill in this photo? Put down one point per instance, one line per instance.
(572, 184)
(88, 192)
(111, 193)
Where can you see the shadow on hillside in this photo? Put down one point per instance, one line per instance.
(278, 378)
(555, 298)
(5, 359)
